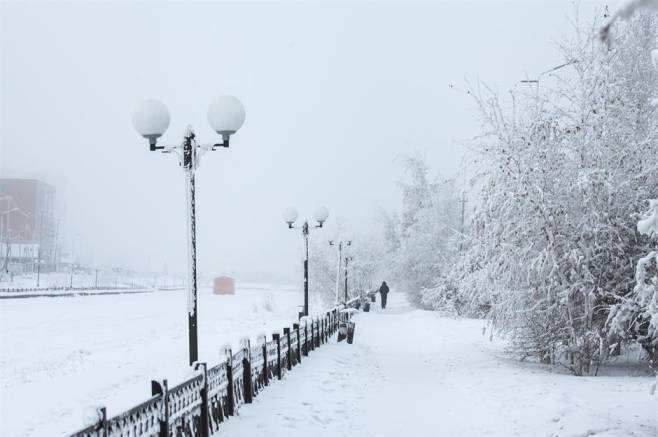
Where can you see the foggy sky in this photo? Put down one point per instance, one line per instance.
(334, 92)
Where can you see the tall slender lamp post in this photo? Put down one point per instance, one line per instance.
(151, 119)
(347, 260)
(340, 244)
(290, 216)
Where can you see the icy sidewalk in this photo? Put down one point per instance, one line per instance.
(412, 373)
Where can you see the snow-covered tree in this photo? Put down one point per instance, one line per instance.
(423, 243)
(563, 169)
(636, 317)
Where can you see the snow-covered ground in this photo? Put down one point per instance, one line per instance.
(59, 356)
(410, 372)
(413, 373)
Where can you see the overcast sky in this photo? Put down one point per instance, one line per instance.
(334, 92)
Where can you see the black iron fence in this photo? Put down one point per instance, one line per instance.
(198, 406)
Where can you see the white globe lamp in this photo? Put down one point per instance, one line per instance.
(151, 119)
(226, 115)
(290, 216)
(321, 215)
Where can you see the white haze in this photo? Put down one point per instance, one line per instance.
(334, 92)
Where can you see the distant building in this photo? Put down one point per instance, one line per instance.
(27, 223)
(224, 285)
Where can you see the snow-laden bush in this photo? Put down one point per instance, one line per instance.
(423, 243)
(636, 318)
(563, 169)
(443, 297)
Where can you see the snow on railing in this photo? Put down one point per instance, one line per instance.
(198, 405)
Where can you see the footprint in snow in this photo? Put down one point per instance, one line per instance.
(320, 420)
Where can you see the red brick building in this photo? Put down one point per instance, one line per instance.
(27, 221)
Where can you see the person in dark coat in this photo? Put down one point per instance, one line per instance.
(383, 291)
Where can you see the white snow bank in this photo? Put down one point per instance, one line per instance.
(59, 356)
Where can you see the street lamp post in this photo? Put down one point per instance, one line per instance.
(340, 244)
(290, 216)
(347, 260)
(151, 119)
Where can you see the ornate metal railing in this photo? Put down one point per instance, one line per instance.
(198, 405)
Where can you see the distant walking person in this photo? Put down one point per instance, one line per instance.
(383, 291)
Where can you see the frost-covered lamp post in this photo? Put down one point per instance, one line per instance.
(151, 119)
(290, 216)
(340, 244)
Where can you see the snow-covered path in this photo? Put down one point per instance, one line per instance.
(413, 373)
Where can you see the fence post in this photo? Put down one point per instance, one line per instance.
(204, 400)
(324, 329)
(323, 336)
(158, 388)
(266, 379)
(277, 337)
(318, 338)
(286, 332)
(312, 334)
(330, 323)
(246, 369)
(103, 417)
(229, 378)
(295, 326)
(305, 348)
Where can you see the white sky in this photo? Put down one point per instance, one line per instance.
(334, 91)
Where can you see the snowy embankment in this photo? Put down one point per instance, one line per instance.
(413, 373)
(57, 282)
(58, 356)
